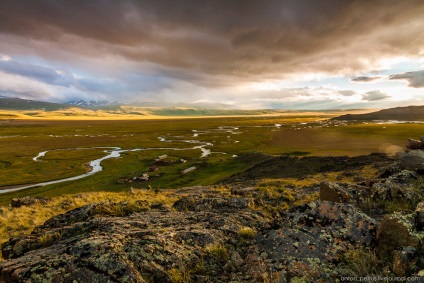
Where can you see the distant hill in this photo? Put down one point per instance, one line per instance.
(95, 104)
(196, 105)
(12, 103)
(176, 111)
(409, 113)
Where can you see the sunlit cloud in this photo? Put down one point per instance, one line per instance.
(5, 58)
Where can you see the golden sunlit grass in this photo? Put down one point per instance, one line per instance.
(247, 233)
(177, 275)
(22, 220)
(142, 113)
(218, 251)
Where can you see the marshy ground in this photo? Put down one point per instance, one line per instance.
(231, 144)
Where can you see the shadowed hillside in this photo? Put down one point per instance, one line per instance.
(410, 113)
(11, 103)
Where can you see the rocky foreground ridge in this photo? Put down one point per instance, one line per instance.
(373, 227)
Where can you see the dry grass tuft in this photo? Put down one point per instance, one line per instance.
(247, 233)
(362, 262)
(219, 252)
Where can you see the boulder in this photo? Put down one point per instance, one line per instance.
(413, 160)
(396, 231)
(314, 235)
(403, 261)
(333, 192)
(415, 144)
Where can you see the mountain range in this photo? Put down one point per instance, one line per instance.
(95, 104)
(14, 103)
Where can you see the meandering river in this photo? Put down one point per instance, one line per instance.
(113, 152)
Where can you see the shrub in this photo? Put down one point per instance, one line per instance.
(218, 251)
(48, 238)
(123, 208)
(247, 233)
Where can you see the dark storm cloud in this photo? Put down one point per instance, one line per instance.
(415, 79)
(364, 79)
(375, 95)
(209, 50)
(48, 76)
(247, 38)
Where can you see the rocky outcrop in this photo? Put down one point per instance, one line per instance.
(398, 187)
(308, 241)
(200, 237)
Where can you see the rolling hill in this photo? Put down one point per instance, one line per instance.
(409, 113)
(12, 103)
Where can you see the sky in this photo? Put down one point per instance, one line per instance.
(248, 54)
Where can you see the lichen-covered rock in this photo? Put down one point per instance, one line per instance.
(398, 189)
(316, 235)
(391, 191)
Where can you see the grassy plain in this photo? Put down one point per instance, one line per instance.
(34, 110)
(233, 139)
